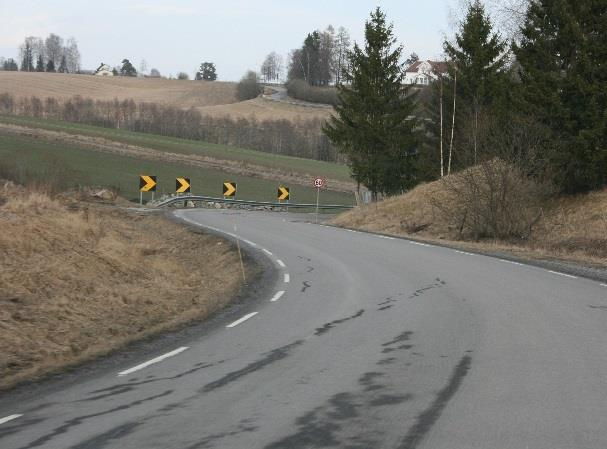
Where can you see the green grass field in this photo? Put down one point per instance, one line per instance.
(85, 167)
(311, 167)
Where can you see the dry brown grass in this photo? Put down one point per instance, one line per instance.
(78, 280)
(571, 228)
(184, 94)
(265, 109)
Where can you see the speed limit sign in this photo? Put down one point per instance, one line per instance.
(319, 183)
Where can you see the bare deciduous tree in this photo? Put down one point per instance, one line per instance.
(54, 49)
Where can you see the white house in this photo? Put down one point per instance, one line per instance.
(423, 73)
(104, 70)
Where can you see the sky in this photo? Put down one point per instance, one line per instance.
(177, 35)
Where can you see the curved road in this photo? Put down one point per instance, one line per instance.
(375, 343)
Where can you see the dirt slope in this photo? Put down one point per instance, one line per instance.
(571, 228)
(177, 93)
(79, 279)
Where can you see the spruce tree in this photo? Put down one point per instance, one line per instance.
(50, 66)
(478, 82)
(63, 65)
(562, 57)
(40, 64)
(374, 124)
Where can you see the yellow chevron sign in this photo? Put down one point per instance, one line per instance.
(229, 189)
(147, 183)
(182, 185)
(283, 193)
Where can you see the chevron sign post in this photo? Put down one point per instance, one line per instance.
(147, 183)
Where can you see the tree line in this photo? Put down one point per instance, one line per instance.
(52, 54)
(300, 139)
(538, 103)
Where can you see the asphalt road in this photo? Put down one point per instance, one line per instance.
(375, 343)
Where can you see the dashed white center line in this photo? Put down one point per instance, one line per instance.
(9, 418)
(277, 296)
(287, 278)
(562, 274)
(250, 243)
(603, 285)
(153, 361)
(242, 320)
(269, 253)
(511, 262)
(281, 263)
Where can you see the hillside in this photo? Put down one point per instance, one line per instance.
(571, 227)
(266, 109)
(177, 93)
(80, 278)
(216, 98)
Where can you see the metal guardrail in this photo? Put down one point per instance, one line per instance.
(208, 199)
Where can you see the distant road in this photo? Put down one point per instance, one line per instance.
(361, 341)
(280, 95)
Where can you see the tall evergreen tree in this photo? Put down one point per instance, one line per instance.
(562, 57)
(40, 64)
(50, 66)
(27, 60)
(479, 56)
(373, 124)
(207, 72)
(476, 85)
(127, 68)
(63, 65)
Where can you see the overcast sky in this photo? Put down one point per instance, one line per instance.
(177, 35)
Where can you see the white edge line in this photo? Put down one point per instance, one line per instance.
(417, 243)
(153, 361)
(603, 285)
(242, 320)
(562, 274)
(269, 253)
(250, 243)
(277, 296)
(511, 262)
(287, 278)
(281, 263)
(9, 418)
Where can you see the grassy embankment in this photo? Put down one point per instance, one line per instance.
(121, 171)
(571, 228)
(78, 279)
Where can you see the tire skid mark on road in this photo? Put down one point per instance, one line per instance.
(426, 420)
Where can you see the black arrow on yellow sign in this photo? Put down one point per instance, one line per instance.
(283, 193)
(229, 189)
(147, 183)
(182, 185)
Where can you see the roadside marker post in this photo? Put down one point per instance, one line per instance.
(284, 194)
(147, 183)
(183, 185)
(319, 183)
(229, 189)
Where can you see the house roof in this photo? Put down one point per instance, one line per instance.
(437, 66)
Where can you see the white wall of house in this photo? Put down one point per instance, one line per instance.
(422, 74)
